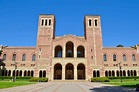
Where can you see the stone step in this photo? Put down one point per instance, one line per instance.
(69, 81)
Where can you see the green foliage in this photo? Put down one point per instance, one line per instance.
(37, 79)
(17, 77)
(119, 45)
(100, 79)
(130, 77)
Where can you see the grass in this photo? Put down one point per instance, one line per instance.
(8, 83)
(125, 82)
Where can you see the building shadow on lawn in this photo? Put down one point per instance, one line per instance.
(112, 89)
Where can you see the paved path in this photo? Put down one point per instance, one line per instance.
(68, 87)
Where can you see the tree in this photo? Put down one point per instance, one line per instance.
(119, 45)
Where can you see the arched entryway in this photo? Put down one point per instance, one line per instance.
(80, 71)
(58, 71)
(69, 71)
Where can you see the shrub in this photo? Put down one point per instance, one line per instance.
(37, 79)
(17, 77)
(125, 77)
(100, 79)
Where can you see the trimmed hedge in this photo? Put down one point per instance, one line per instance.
(17, 77)
(100, 79)
(130, 77)
(37, 79)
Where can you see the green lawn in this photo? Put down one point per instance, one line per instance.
(126, 82)
(7, 84)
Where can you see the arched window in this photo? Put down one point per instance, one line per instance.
(113, 73)
(114, 57)
(80, 51)
(44, 73)
(117, 73)
(106, 73)
(94, 74)
(96, 22)
(124, 73)
(4, 57)
(128, 73)
(69, 49)
(133, 57)
(124, 57)
(104, 57)
(58, 51)
(25, 73)
(90, 22)
(121, 73)
(135, 73)
(40, 73)
(32, 73)
(23, 57)
(33, 57)
(20, 73)
(14, 57)
(109, 73)
(9, 73)
(98, 73)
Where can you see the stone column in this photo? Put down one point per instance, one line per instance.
(63, 52)
(75, 52)
(11, 73)
(75, 73)
(63, 72)
(85, 53)
(53, 53)
(115, 73)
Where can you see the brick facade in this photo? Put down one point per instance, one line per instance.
(70, 56)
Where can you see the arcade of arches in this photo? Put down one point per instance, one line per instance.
(69, 51)
(69, 71)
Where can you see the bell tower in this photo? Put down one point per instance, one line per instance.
(93, 36)
(46, 34)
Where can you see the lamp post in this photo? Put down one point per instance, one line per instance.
(120, 68)
(15, 64)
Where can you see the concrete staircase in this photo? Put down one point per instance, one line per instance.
(69, 81)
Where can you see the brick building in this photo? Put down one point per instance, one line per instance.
(70, 56)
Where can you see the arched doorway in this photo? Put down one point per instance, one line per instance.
(58, 71)
(69, 71)
(80, 71)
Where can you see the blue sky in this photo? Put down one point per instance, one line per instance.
(119, 20)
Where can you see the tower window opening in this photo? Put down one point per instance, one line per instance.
(45, 21)
(96, 22)
(49, 22)
(90, 22)
(42, 22)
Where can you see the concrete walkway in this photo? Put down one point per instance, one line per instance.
(68, 87)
